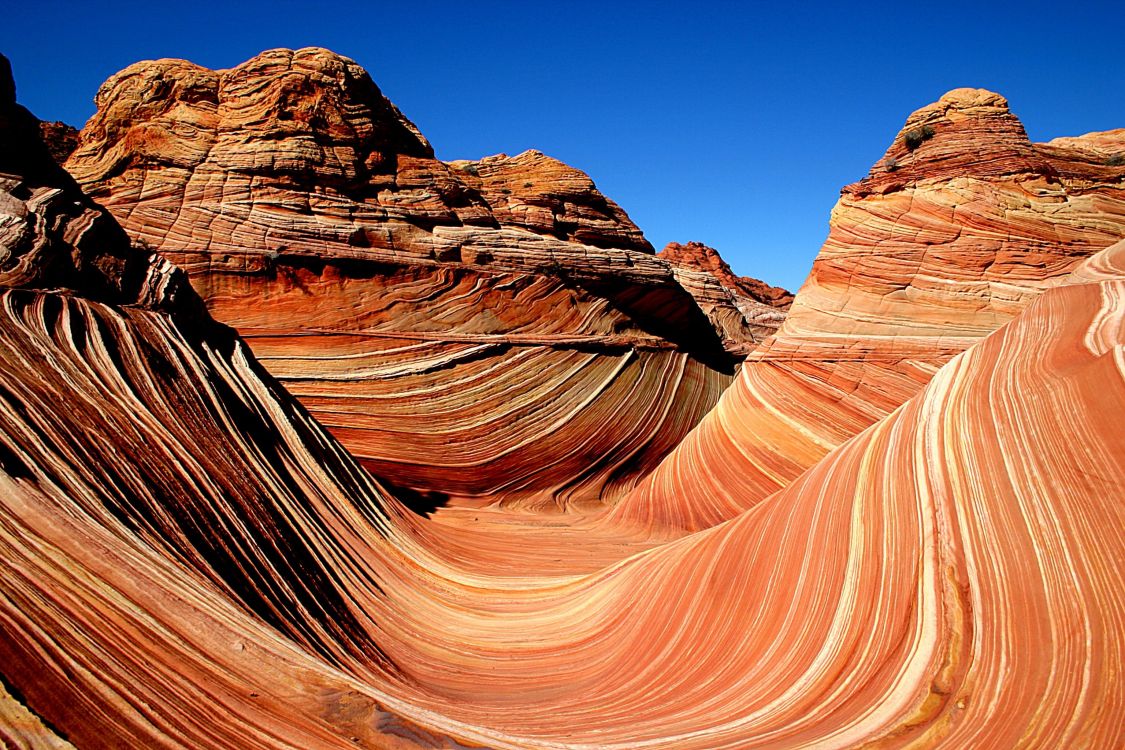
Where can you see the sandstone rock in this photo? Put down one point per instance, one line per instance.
(494, 331)
(307, 133)
(744, 310)
(697, 256)
(190, 560)
(61, 139)
(533, 191)
(53, 237)
(921, 261)
(131, 428)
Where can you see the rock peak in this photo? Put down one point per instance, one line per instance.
(970, 98)
(308, 114)
(959, 105)
(309, 120)
(968, 132)
(701, 257)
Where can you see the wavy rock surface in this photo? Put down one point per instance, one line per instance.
(167, 593)
(961, 224)
(130, 423)
(480, 331)
(192, 561)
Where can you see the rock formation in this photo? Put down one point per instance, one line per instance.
(191, 561)
(699, 257)
(54, 237)
(133, 432)
(744, 310)
(961, 224)
(555, 358)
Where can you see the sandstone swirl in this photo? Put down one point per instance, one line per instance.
(555, 358)
(192, 561)
(954, 231)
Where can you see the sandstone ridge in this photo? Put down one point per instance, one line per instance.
(743, 309)
(379, 283)
(952, 234)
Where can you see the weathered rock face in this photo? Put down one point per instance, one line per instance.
(954, 231)
(744, 310)
(310, 157)
(133, 430)
(493, 331)
(535, 192)
(700, 257)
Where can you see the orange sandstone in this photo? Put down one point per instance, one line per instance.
(191, 560)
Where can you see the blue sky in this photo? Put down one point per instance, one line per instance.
(735, 124)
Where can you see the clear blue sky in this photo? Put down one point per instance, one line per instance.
(734, 124)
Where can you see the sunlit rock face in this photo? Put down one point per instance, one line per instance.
(493, 331)
(191, 561)
(950, 235)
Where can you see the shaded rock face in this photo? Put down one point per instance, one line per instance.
(408, 301)
(961, 224)
(53, 237)
(59, 138)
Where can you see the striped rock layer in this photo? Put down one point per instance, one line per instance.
(476, 331)
(192, 561)
(961, 224)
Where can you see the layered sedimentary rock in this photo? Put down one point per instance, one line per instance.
(699, 257)
(130, 423)
(56, 238)
(166, 603)
(953, 232)
(495, 330)
(744, 310)
(192, 561)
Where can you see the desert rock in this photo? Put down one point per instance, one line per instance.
(379, 283)
(951, 235)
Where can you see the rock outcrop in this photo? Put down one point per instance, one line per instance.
(699, 257)
(961, 224)
(54, 237)
(134, 431)
(554, 357)
(744, 310)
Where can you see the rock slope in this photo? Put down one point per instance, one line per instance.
(961, 224)
(61, 139)
(487, 331)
